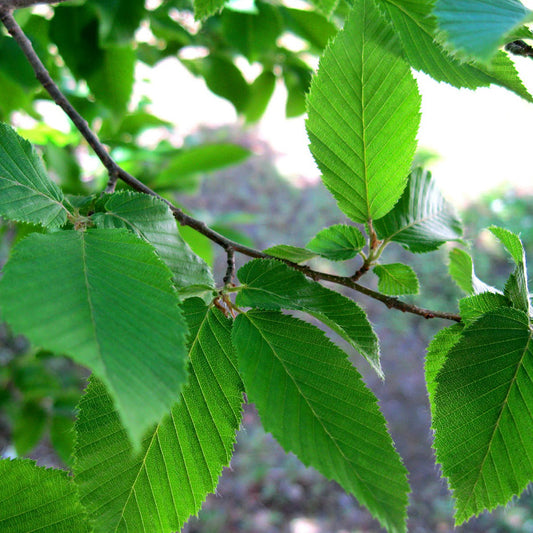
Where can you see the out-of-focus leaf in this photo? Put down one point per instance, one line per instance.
(309, 25)
(119, 19)
(260, 93)
(28, 428)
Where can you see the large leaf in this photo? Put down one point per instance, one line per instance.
(483, 412)
(416, 27)
(152, 220)
(26, 192)
(364, 115)
(473, 307)
(422, 220)
(105, 299)
(338, 242)
(396, 278)
(317, 406)
(34, 498)
(478, 27)
(461, 269)
(273, 285)
(182, 457)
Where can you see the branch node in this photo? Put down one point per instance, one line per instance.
(230, 269)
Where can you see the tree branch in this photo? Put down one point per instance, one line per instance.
(116, 172)
(16, 4)
(519, 48)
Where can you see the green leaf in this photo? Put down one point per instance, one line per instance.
(28, 428)
(206, 8)
(119, 19)
(516, 288)
(461, 270)
(181, 458)
(422, 220)
(26, 192)
(327, 7)
(479, 27)
(261, 91)
(34, 498)
(105, 299)
(363, 116)
(152, 220)
(309, 25)
(338, 242)
(317, 406)
(483, 413)
(417, 29)
(473, 307)
(297, 80)
(396, 278)
(290, 253)
(270, 284)
(62, 436)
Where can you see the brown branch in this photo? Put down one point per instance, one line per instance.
(230, 269)
(116, 172)
(16, 4)
(519, 48)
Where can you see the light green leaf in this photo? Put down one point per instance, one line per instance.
(309, 25)
(338, 242)
(479, 27)
(152, 220)
(422, 220)
(205, 8)
(461, 270)
(26, 192)
(396, 278)
(417, 29)
(483, 413)
(34, 498)
(363, 116)
(104, 298)
(290, 253)
(182, 457)
(473, 307)
(261, 91)
(327, 7)
(317, 406)
(516, 288)
(270, 284)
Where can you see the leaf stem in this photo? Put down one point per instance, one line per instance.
(116, 172)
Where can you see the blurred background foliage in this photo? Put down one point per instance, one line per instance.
(226, 177)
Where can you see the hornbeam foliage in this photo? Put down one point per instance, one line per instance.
(106, 279)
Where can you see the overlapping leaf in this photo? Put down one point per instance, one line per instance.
(478, 27)
(364, 115)
(290, 253)
(461, 269)
(34, 498)
(396, 278)
(422, 220)
(316, 405)
(483, 412)
(182, 457)
(473, 307)
(26, 192)
(338, 242)
(417, 28)
(104, 298)
(273, 285)
(152, 220)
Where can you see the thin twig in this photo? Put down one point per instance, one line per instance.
(230, 269)
(116, 172)
(519, 48)
(16, 4)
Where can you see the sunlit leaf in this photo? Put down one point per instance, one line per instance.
(338, 243)
(396, 278)
(461, 269)
(290, 253)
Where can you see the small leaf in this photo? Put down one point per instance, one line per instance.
(270, 284)
(261, 91)
(461, 270)
(182, 457)
(338, 243)
(152, 220)
(396, 278)
(364, 115)
(473, 307)
(317, 406)
(26, 192)
(205, 8)
(309, 25)
(479, 27)
(422, 220)
(28, 428)
(290, 253)
(483, 413)
(38, 499)
(105, 299)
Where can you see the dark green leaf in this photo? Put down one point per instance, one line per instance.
(422, 220)
(317, 406)
(363, 116)
(290, 253)
(261, 91)
(119, 19)
(206, 8)
(28, 428)
(396, 278)
(338, 243)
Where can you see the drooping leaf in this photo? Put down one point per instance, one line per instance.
(182, 457)
(396, 278)
(422, 219)
(270, 284)
(26, 192)
(290, 253)
(516, 288)
(473, 307)
(364, 115)
(417, 29)
(461, 269)
(261, 91)
(34, 498)
(105, 299)
(478, 27)
(317, 406)
(152, 220)
(483, 413)
(338, 242)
